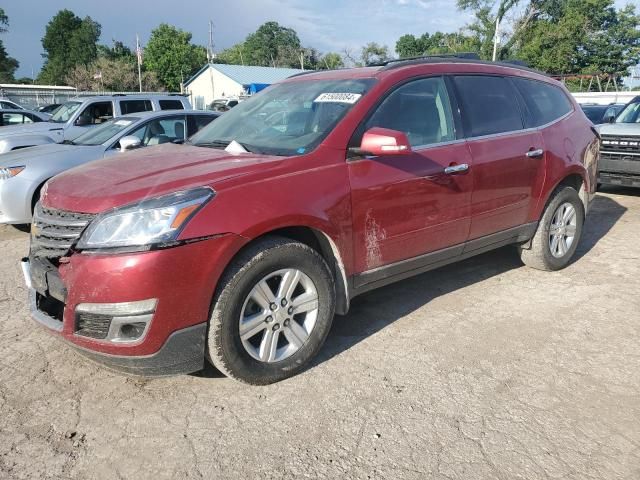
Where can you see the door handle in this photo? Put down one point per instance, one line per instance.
(456, 169)
(535, 153)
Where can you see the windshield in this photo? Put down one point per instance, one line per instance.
(104, 132)
(630, 114)
(65, 112)
(286, 119)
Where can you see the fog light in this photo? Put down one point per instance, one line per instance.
(132, 331)
(115, 322)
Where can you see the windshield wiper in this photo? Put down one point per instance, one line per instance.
(68, 142)
(221, 144)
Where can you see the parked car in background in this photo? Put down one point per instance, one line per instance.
(76, 116)
(20, 117)
(7, 104)
(240, 245)
(620, 148)
(24, 172)
(52, 107)
(224, 104)
(599, 114)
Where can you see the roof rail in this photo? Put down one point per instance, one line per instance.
(306, 72)
(424, 58)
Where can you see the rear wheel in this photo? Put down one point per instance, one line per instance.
(558, 233)
(271, 313)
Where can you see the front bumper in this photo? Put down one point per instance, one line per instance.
(182, 279)
(623, 171)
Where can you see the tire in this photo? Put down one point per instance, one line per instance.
(241, 295)
(545, 253)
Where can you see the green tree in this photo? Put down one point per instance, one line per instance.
(117, 75)
(374, 53)
(68, 41)
(119, 51)
(272, 45)
(172, 56)
(8, 65)
(330, 61)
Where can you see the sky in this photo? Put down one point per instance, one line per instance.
(328, 25)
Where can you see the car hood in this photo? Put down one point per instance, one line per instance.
(148, 172)
(37, 127)
(623, 129)
(51, 155)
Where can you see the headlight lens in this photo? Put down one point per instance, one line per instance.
(8, 172)
(153, 221)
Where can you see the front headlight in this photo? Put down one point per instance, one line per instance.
(153, 221)
(8, 172)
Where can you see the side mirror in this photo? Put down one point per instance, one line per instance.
(82, 121)
(384, 141)
(610, 119)
(129, 143)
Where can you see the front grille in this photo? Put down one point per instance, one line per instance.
(54, 232)
(619, 147)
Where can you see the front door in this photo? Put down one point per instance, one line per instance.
(405, 206)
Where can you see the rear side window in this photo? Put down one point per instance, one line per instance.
(197, 122)
(171, 105)
(15, 119)
(489, 105)
(545, 102)
(133, 106)
(420, 108)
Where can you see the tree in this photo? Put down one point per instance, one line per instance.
(8, 65)
(118, 51)
(68, 41)
(581, 37)
(330, 61)
(436, 44)
(114, 75)
(273, 45)
(374, 53)
(172, 56)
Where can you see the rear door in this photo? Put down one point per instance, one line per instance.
(506, 156)
(404, 206)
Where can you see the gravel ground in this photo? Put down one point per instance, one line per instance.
(480, 370)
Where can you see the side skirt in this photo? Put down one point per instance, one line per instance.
(381, 276)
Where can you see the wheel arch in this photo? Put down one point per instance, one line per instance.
(322, 243)
(574, 178)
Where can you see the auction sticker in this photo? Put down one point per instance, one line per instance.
(122, 123)
(338, 98)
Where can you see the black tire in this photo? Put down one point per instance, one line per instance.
(224, 347)
(539, 255)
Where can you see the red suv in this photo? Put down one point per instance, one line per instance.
(239, 246)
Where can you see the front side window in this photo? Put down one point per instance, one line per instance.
(65, 112)
(96, 113)
(290, 118)
(165, 130)
(545, 102)
(15, 119)
(420, 108)
(630, 113)
(488, 105)
(133, 106)
(105, 132)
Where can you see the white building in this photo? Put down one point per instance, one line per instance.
(216, 80)
(605, 98)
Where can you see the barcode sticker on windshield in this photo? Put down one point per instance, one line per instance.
(338, 97)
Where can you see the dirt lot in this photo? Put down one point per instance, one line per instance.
(481, 370)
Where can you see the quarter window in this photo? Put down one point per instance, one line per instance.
(489, 105)
(421, 109)
(545, 102)
(171, 105)
(133, 106)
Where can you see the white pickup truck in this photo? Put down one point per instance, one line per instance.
(73, 118)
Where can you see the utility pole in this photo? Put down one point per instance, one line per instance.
(496, 38)
(139, 56)
(210, 57)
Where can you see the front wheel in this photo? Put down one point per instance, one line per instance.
(558, 233)
(271, 313)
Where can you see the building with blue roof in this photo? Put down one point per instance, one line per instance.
(217, 80)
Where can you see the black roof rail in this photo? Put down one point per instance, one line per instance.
(424, 58)
(306, 72)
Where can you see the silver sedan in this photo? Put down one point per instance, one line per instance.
(24, 172)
